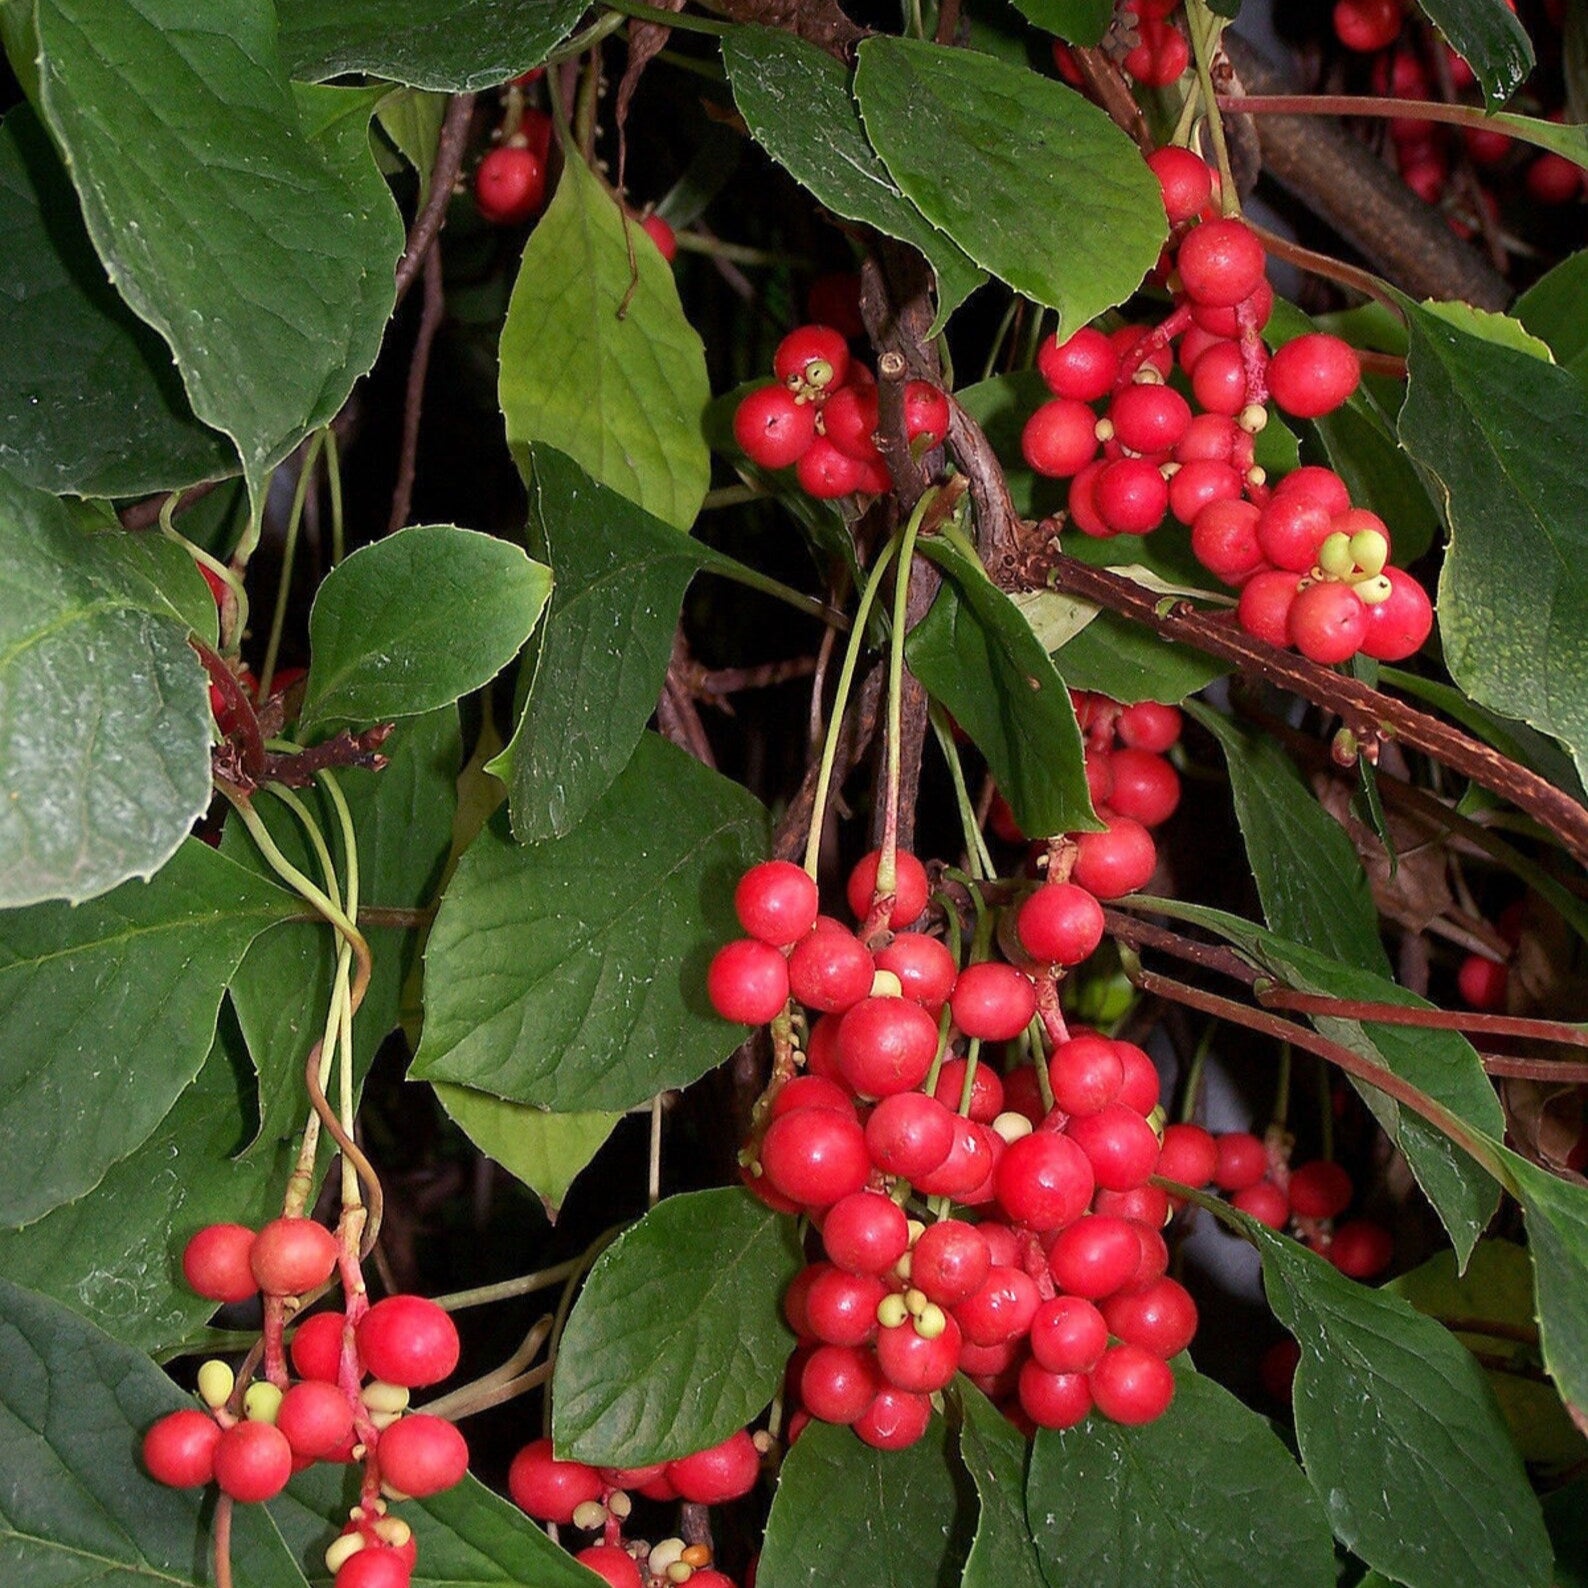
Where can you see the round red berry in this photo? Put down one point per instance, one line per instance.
(1185, 180)
(316, 1419)
(748, 981)
(408, 1340)
(215, 1263)
(910, 889)
(1220, 262)
(719, 1474)
(776, 902)
(292, 1255)
(510, 185)
(179, 1450)
(548, 1489)
(772, 428)
(421, 1455)
(1320, 1190)
(252, 1462)
(1313, 375)
(1130, 1385)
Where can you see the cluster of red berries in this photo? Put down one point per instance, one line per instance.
(1313, 570)
(349, 1402)
(1310, 1196)
(820, 417)
(1052, 1293)
(1151, 50)
(596, 1499)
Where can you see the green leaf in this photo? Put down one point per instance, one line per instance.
(1566, 1516)
(795, 98)
(90, 401)
(412, 119)
(1488, 36)
(976, 653)
(417, 620)
(1034, 183)
(1485, 1308)
(1442, 1064)
(571, 975)
(601, 363)
(453, 46)
(1557, 1234)
(1506, 435)
(678, 1337)
(1206, 1494)
(104, 711)
(545, 1150)
(1081, 22)
(1127, 662)
(1308, 875)
(468, 1537)
(1002, 1554)
(845, 1513)
(75, 1506)
(262, 254)
(621, 576)
(106, 1012)
(402, 816)
(1555, 308)
(1399, 1433)
(114, 1255)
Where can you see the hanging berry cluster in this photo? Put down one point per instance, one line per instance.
(1313, 570)
(821, 416)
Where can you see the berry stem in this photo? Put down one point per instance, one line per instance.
(972, 1063)
(333, 480)
(278, 617)
(234, 609)
(223, 1541)
(977, 858)
(1193, 1075)
(506, 1289)
(846, 678)
(1039, 1060)
(1204, 28)
(1282, 1090)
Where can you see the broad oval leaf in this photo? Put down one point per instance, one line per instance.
(90, 400)
(417, 620)
(845, 1513)
(1557, 1233)
(1555, 308)
(1489, 37)
(107, 1011)
(1506, 436)
(571, 974)
(1205, 1494)
(597, 357)
(1034, 183)
(976, 653)
(603, 651)
(75, 1507)
(456, 46)
(261, 252)
(104, 713)
(678, 1337)
(796, 101)
(1078, 21)
(1003, 1553)
(1399, 1433)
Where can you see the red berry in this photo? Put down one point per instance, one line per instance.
(663, 235)
(910, 889)
(1553, 179)
(1085, 1074)
(1117, 861)
(1198, 484)
(421, 1455)
(910, 1361)
(179, 1450)
(1320, 1190)
(1060, 923)
(886, 1045)
(1367, 25)
(1291, 530)
(1224, 540)
(1130, 1385)
(1068, 1335)
(718, 1474)
(1277, 1369)
(849, 420)
(1161, 57)
(1220, 262)
(1264, 1202)
(1139, 1090)
(772, 428)
(292, 1255)
(315, 1418)
(1044, 1180)
(909, 1134)
(814, 1156)
(831, 970)
(1060, 438)
(1082, 502)
(1314, 374)
(215, 1263)
(811, 1091)
(776, 902)
(1257, 307)
(1053, 1400)
(866, 1232)
(1082, 368)
(1094, 1256)
(748, 981)
(1149, 418)
(1397, 627)
(1218, 379)
(993, 1001)
(838, 1382)
(1188, 1154)
(1120, 1145)
(1482, 982)
(1131, 496)
(986, 1090)
(1162, 1318)
(408, 1340)
(950, 1261)
(252, 1462)
(375, 1566)
(1361, 1249)
(612, 1564)
(1241, 1160)
(1001, 1309)
(1327, 622)
(1321, 485)
(510, 185)
(316, 1347)
(925, 413)
(924, 966)
(813, 358)
(1185, 181)
(895, 1420)
(841, 1308)
(966, 1168)
(1146, 788)
(826, 473)
(1266, 600)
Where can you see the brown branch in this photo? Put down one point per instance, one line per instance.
(246, 742)
(1209, 956)
(1512, 1068)
(413, 400)
(1105, 84)
(715, 684)
(297, 768)
(676, 714)
(1272, 996)
(1369, 715)
(947, 22)
(427, 224)
(998, 525)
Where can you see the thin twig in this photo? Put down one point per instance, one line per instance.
(435, 305)
(1272, 996)
(450, 145)
(223, 1542)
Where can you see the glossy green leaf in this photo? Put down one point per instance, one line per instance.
(90, 401)
(678, 1337)
(402, 816)
(546, 1151)
(796, 101)
(1399, 1433)
(571, 975)
(976, 653)
(1308, 875)
(412, 118)
(1486, 1308)
(1443, 1064)
(1506, 435)
(1034, 183)
(75, 1506)
(106, 1012)
(1205, 1494)
(1489, 37)
(114, 1255)
(599, 361)
(252, 230)
(1078, 21)
(1127, 662)
(104, 711)
(993, 1451)
(454, 46)
(417, 620)
(1555, 308)
(603, 652)
(1557, 1236)
(845, 1513)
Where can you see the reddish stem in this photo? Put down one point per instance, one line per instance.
(1272, 996)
